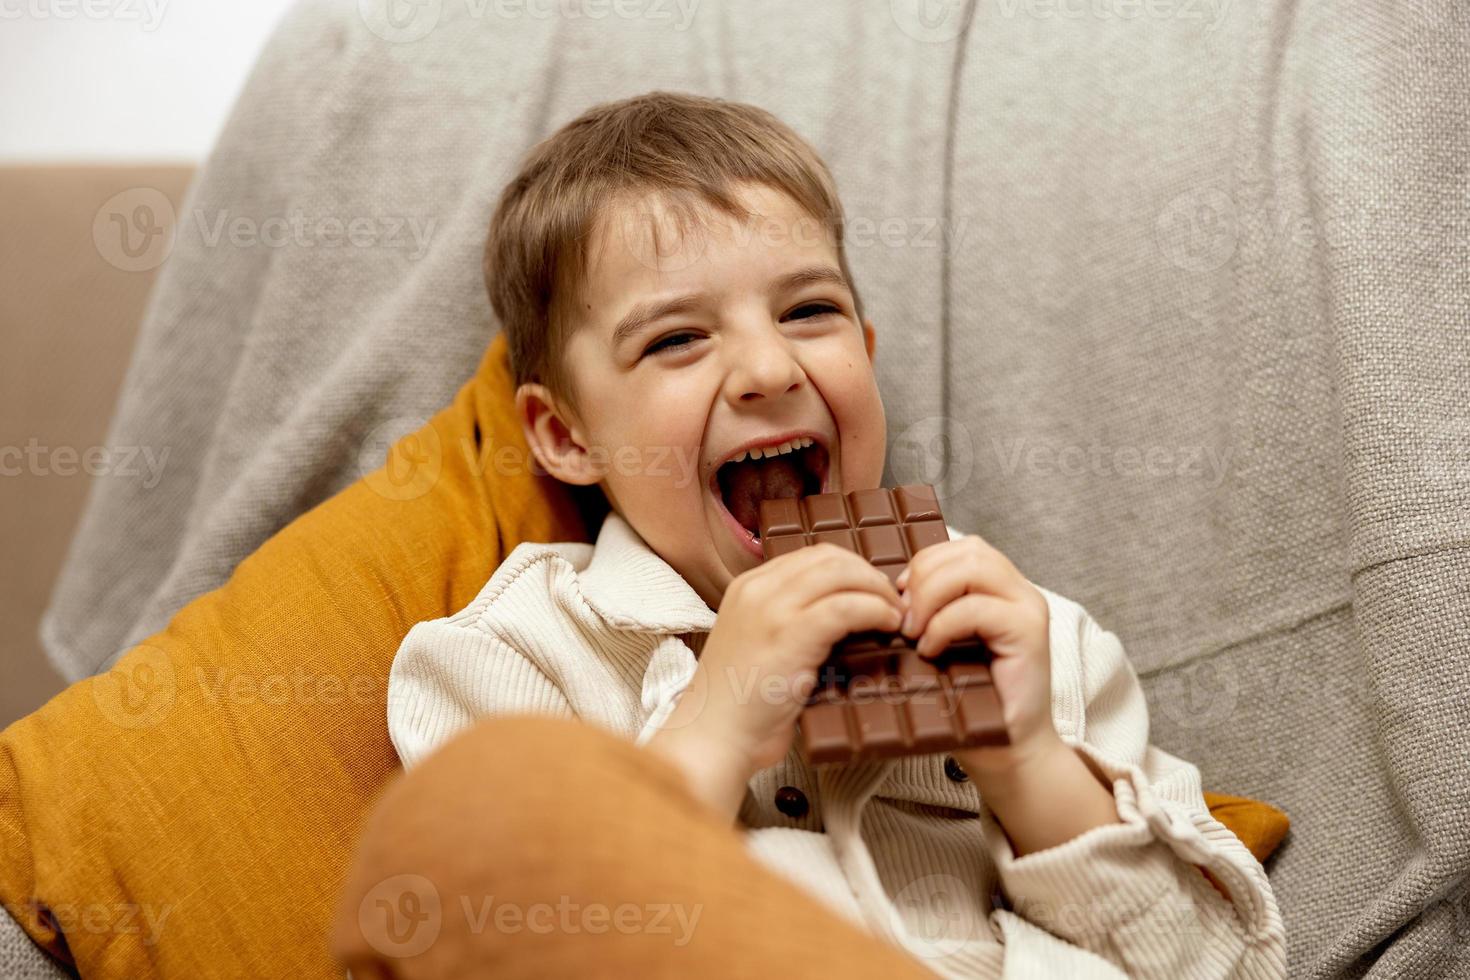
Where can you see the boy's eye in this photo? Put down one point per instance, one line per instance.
(807, 310)
(684, 338)
(672, 341)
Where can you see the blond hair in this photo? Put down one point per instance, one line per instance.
(686, 148)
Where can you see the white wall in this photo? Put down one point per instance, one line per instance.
(144, 80)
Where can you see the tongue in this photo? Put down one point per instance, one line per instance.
(752, 482)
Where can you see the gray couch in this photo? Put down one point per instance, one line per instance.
(1171, 300)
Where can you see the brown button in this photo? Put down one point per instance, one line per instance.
(954, 770)
(792, 802)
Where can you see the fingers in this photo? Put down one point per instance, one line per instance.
(839, 613)
(939, 574)
(986, 616)
(808, 574)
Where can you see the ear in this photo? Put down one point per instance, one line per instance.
(870, 337)
(555, 436)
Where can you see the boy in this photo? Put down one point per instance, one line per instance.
(686, 336)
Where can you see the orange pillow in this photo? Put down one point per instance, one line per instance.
(1260, 826)
(192, 812)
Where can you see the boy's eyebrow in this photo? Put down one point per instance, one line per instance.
(645, 313)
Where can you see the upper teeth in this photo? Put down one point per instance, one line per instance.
(769, 451)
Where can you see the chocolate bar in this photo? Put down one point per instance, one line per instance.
(876, 697)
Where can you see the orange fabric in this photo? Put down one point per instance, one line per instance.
(474, 865)
(192, 812)
(1260, 826)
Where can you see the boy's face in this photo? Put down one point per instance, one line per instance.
(756, 343)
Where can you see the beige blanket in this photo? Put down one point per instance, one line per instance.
(1172, 302)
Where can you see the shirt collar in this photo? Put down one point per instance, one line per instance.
(631, 587)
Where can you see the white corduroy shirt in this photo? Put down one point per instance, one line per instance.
(610, 635)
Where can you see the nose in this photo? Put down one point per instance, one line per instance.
(761, 366)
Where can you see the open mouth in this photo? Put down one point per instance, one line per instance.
(793, 468)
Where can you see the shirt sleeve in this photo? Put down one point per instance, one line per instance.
(1135, 893)
(665, 684)
(446, 676)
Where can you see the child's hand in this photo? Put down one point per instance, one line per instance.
(776, 626)
(965, 588)
(1042, 792)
